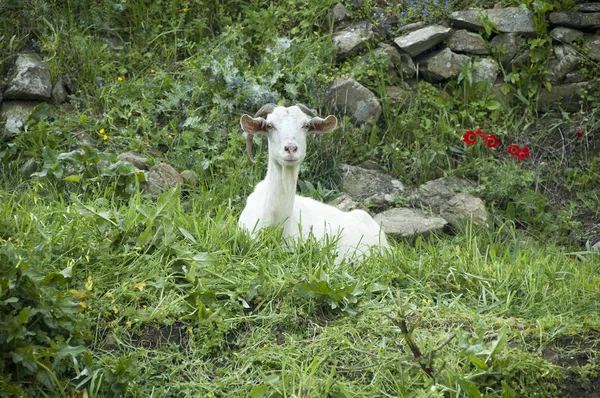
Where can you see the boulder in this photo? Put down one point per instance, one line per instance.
(441, 65)
(353, 39)
(591, 45)
(576, 20)
(162, 177)
(399, 66)
(566, 61)
(485, 70)
(588, 7)
(339, 13)
(138, 161)
(565, 35)
(463, 41)
(443, 197)
(402, 222)
(463, 208)
(363, 184)
(511, 44)
(421, 40)
(59, 91)
(576, 76)
(564, 96)
(398, 94)
(29, 79)
(190, 178)
(345, 203)
(350, 98)
(15, 114)
(507, 20)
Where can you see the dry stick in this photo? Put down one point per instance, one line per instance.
(427, 368)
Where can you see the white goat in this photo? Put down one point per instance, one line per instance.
(274, 201)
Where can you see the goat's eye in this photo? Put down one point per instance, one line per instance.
(306, 126)
(269, 126)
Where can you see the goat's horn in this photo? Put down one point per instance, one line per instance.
(307, 110)
(262, 112)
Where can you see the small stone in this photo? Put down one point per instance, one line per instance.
(190, 178)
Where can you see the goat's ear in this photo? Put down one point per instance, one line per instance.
(253, 125)
(319, 125)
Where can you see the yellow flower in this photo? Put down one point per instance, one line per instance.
(89, 284)
(170, 137)
(120, 78)
(184, 9)
(115, 309)
(152, 71)
(82, 305)
(139, 286)
(128, 323)
(236, 27)
(242, 28)
(265, 345)
(227, 26)
(101, 131)
(249, 66)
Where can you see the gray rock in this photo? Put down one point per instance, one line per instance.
(463, 41)
(444, 198)
(596, 247)
(403, 223)
(361, 184)
(345, 203)
(411, 27)
(564, 96)
(511, 44)
(588, 7)
(59, 92)
(434, 194)
(15, 114)
(353, 39)
(576, 76)
(566, 61)
(398, 94)
(190, 178)
(421, 40)
(565, 35)
(138, 161)
(486, 70)
(591, 45)
(348, 97)
(29, 79)
(507, 20)
(339, 13)
(400, 66)
(441, 65)
(162, 177)
(577, 20)
(464, 208)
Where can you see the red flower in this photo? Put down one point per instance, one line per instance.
(514, 150)
(479, 132)
(490, 140)
(523, 153)
(580, 133)
(469, 137)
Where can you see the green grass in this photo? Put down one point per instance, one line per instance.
(106, 291)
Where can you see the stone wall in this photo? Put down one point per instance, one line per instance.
(436, 52)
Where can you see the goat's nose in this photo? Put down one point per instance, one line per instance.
(290, 149)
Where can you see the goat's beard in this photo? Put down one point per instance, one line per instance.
(288, 179)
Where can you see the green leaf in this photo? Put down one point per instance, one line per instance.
(470, 388)
(73, 178)
(493, 105)
(478, 362)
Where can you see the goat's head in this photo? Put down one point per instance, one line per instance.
(286, 130)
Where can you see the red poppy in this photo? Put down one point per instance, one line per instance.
(479, 132)
(514, 150)
(523, 153)
(469, 137)
(580, 133)
(490, 140)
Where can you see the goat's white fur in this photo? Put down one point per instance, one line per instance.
(274, 201)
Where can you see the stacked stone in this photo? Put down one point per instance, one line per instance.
(438, 51)
(28, 85)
